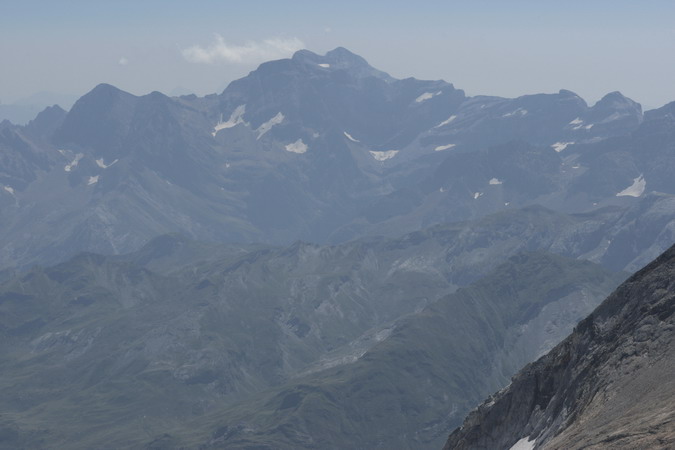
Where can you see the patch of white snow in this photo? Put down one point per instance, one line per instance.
(444, 147)
(426, 96)
(297, 147)
(524, 444)
(613, 117)
(74, 162)
(235, 119)
(103, 165)
(636, 189)
(477, 195)
(494, 181)
(445, 122)
(576, 121)
(267, 126)
(349, 136)
(9, 189)
(560, 146)
(588, 127)
(92, 180)
(383, 156)
(325, 66)
(519, 111)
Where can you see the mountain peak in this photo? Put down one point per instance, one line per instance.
(105, 88)
(616, 99)
(51, 112)
(341, 59)
(568, 93)
(667, 110)
(98, 118)
(48, 120)
(342, 54)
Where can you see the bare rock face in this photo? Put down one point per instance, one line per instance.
(610, 384)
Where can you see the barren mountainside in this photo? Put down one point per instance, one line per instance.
(610, 384)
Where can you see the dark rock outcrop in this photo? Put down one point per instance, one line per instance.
(610, 384)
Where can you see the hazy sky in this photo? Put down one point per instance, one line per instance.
(506, 48)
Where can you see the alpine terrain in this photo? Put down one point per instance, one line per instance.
(608, 385)
(326, 256)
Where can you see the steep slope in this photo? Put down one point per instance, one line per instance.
(609, 384)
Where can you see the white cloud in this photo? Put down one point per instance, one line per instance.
(249, 52)
(123, 61)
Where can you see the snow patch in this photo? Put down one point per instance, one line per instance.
(524, 444)
(494, 181)
(325, 66)
(477, 195)
(349, 136)
(235, 119)
(613, 117)
(426, 96)
(517, 112)
(92, 180)
(103, 165)
(383, 156)
(267, 126)
(579, 124)
(445, 122)
(560, 146)
(444, 147)
(636, 189)
(9, 189)
(74, 162)
(297, 147)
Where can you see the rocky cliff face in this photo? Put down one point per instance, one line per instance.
(610, 384)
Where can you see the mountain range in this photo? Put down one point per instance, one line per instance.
(119, 351)
(325, 256)
(322, 149)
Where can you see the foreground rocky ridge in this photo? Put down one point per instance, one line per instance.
(609, 384)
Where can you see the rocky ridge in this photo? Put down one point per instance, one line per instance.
(609, 384)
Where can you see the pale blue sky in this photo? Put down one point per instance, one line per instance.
(506, 48)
